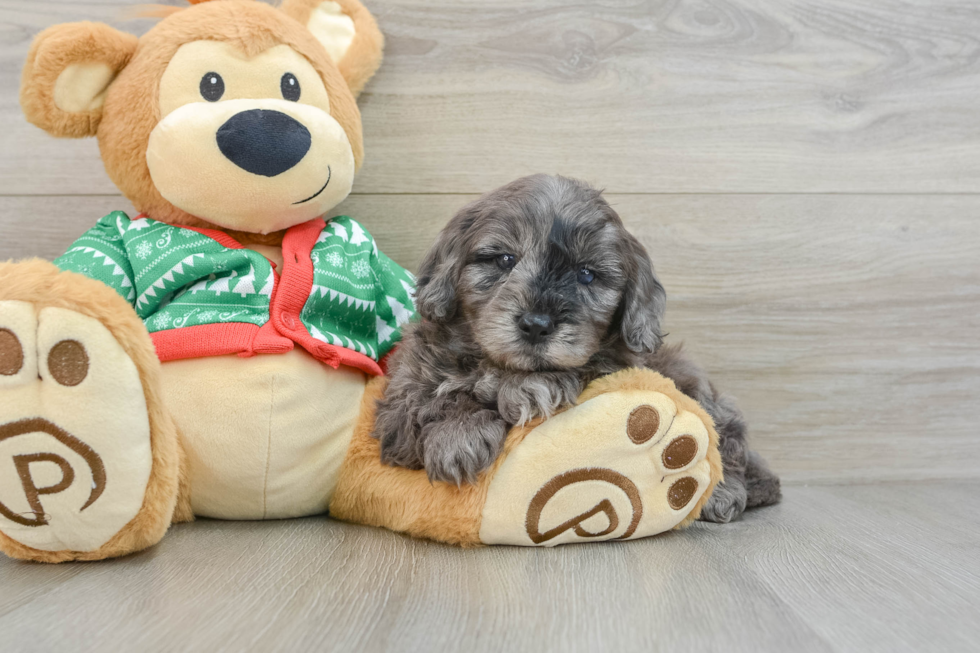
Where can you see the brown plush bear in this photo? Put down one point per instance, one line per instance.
(214, 355)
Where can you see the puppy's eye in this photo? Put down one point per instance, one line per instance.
(506, 261)
(212, 87)
(586, 276)
(290, 87)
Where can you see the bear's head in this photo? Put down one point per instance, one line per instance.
(228, 113)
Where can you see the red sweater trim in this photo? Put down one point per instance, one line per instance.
(219, 237)
(293, 292)
(289, 296)
(204, 340)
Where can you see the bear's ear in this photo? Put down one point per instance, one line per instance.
(68, 71)
(348, 32)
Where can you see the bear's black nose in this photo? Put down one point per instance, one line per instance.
(266, 143)
(536, 326)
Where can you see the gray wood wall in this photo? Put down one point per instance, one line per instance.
(805, 174)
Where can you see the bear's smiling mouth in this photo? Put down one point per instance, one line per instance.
(316, 194)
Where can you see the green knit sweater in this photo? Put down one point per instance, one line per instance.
(336, 290)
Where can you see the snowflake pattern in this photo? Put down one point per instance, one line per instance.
(344, 300)
(144, 250)
(360, 268)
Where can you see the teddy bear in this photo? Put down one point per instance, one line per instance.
(220, 353)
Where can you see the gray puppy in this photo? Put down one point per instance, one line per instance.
(531, 292)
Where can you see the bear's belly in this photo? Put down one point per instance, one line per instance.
(265, 436)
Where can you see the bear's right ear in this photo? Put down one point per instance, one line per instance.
(348, 32)
(68, 71)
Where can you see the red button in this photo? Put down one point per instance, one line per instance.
(289, 321)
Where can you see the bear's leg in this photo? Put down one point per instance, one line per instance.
(635, 457)
(90, 460)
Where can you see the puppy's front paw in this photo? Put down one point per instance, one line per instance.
(456, 450)
(524, 397)
(398, 438)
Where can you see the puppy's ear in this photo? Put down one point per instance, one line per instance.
(67, 74)
(349, 33)
(644, 301)
(439, 274)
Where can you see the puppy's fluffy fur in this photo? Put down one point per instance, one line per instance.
(530, 293)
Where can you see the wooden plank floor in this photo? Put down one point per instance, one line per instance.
(863, 568)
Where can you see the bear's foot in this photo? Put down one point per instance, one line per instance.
(629, 463)
(88, 469)
(635, 457)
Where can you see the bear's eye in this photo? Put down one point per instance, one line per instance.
(290, 87)
(212, 87)
(586, 276)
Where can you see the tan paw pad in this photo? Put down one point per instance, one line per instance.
(68, 362)
(75, 453)
(622, 465)
(18, 349)
(681, 492)
(11, 353)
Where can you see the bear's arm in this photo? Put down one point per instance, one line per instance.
(395, 290)
(101, 254)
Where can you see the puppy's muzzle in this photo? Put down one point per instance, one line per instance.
(264, 142)
(535, 327)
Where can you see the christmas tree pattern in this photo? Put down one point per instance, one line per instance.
(364, 303)
(174, 277)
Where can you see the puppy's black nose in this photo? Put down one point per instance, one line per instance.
(536, 326)
(263, 142)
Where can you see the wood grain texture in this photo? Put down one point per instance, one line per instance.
(835, 320)
(663, 95)
(868, 568)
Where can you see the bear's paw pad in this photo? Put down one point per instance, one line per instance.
(75, 453)
(622, 465)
